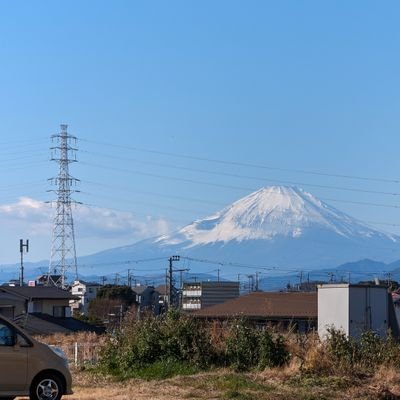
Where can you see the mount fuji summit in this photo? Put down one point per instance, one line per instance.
(275, 226)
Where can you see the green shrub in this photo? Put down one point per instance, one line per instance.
(241, 347)
(364, 354)
(341, 348)
(162, 343)
(271, 353)
(248, 347)
(184, 339)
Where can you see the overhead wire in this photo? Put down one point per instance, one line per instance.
(225, 174)
(137, 172)
(243, 164)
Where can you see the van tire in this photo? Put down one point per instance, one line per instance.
(46, 382)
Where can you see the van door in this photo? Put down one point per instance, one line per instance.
(13, 361)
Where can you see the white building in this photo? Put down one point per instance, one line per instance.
(199, 295)
(86, 291)
(353, 309)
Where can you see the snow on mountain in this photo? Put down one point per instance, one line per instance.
(268, 213)
(283, 227)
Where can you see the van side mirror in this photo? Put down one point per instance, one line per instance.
(22, 342)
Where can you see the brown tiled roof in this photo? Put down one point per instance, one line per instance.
(265, 305)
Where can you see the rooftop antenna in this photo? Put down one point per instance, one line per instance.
(63, 252)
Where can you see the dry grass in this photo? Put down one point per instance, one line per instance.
(61, 340)
(309, 376)
(276, 384)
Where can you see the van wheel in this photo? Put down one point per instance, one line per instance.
(46, 387)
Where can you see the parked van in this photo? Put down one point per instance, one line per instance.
(30, 368)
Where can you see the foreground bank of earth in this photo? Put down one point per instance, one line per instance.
(278, 384)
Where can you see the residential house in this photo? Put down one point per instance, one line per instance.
(40, 299)
(11, 305)
(41, 309)
(85, 292)
(282, 309)
(163, 294)
(146, 298)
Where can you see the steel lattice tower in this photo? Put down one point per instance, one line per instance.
(63, 252)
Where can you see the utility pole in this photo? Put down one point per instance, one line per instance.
(63, 252)
(389, 279)
(251, 283)
(181, 271)
(129, 278)
(22, 246)
(166, 287)
(170, 279)
(300, 276)
(218, 273)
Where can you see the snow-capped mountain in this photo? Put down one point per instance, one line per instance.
(270, 213)
(283, 227)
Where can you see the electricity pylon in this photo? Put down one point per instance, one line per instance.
(63, 252)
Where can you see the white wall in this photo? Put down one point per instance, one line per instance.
(333, 308)
(353, 309)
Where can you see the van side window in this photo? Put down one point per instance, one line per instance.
(6, 335)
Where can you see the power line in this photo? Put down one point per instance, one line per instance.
(243, 164)
(224, 204)
(136, 172)
(241, 188)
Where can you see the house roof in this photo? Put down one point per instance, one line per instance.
(69, 323)
(36, 326)
(265, 305)
(4, 297)
(163, 290)
(39, 292)
(87, 283)
(140, 289)
(43, 324)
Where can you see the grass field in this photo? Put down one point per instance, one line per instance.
(310, 375)
(278, 384)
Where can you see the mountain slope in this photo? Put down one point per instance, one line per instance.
(269, 213)
(284, 227)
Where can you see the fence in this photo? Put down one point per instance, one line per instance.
(82, 353)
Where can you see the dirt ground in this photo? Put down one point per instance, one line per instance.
(222, 384)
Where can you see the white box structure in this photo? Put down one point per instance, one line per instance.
(353, 309)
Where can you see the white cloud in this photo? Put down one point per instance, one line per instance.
(35, 217)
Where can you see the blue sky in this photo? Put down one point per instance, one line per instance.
(297, 85)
